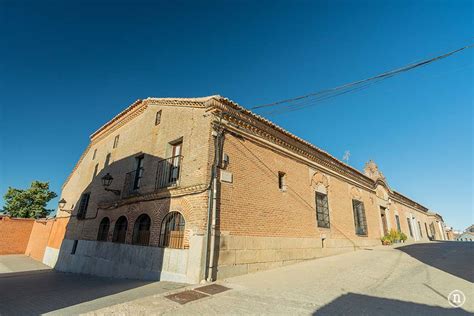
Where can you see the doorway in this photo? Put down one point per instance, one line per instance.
(383, 216)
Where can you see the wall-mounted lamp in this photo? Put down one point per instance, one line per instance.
(62, 203)
(107, 181)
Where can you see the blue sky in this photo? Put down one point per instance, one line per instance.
(67, 67)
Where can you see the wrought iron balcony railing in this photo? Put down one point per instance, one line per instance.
(132, 182)
(168, 172)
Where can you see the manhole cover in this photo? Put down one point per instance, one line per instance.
(185, 296)
(212, 289)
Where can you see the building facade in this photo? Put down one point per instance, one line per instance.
(201, 188)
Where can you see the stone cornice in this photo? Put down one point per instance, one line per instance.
(280, 137)
(117, 119)
(257, 125)
(157, 195)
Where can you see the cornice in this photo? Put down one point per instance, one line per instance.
(261, 127)
(156, 195)
(287, 140)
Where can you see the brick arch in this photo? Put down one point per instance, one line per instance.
(158, 209)
(319, 182)
(356, 193)
(381, 192)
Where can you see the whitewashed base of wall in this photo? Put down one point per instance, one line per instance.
(108, 259)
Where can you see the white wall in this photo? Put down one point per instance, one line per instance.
(124, 261)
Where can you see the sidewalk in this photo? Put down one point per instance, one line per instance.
(375, 281)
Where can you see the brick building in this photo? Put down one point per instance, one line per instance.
(200, 188)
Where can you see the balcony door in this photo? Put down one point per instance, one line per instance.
(175, 161)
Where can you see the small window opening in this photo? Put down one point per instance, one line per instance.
(158, 118)
(74, 247)
(282, 181)
(116, 141)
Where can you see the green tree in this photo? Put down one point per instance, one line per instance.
(29, 203)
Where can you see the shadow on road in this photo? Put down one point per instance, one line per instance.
(358, 304)
(450, 256)
(38, 292)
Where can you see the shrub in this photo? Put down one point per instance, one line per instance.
(403, 237)
(394, 236)
(386, 240)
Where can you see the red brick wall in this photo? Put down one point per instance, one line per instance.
(30, 237)
(253, 205)
(15, 234)
(57, 232)
(39, 239)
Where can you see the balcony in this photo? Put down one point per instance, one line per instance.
(168, 172)
(167, 175)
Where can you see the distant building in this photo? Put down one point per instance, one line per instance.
(470, 229)
(201, 188)
(467, 235)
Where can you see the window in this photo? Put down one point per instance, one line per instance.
(158, 118)
(107, 160)
(172, 231)
(175, 162)
(397, 219)
(322, 210)
(104, 226)
(94, 154)
(282, 181)
(419, 228)
(141, 230)
(96, 168)
(427, 232)
(116, 141)
(74, 247)
(120, 230)
(433, 232)
(81, 212)
(360, 221)
(138, 173)
(409, 226)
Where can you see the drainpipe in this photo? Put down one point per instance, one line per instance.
(212, 206)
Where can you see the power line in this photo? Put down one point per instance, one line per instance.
(300, 102)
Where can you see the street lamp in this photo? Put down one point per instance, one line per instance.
(62, 203)
(107, 181)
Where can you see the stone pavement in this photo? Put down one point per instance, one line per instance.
(20, 263)
(25, 290)
(410, 280)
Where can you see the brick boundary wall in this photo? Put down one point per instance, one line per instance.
(31, 237)
(15, 235)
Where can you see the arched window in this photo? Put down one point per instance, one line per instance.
(120, 230)
(103, 229)
(172, 231)
(141, 230)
